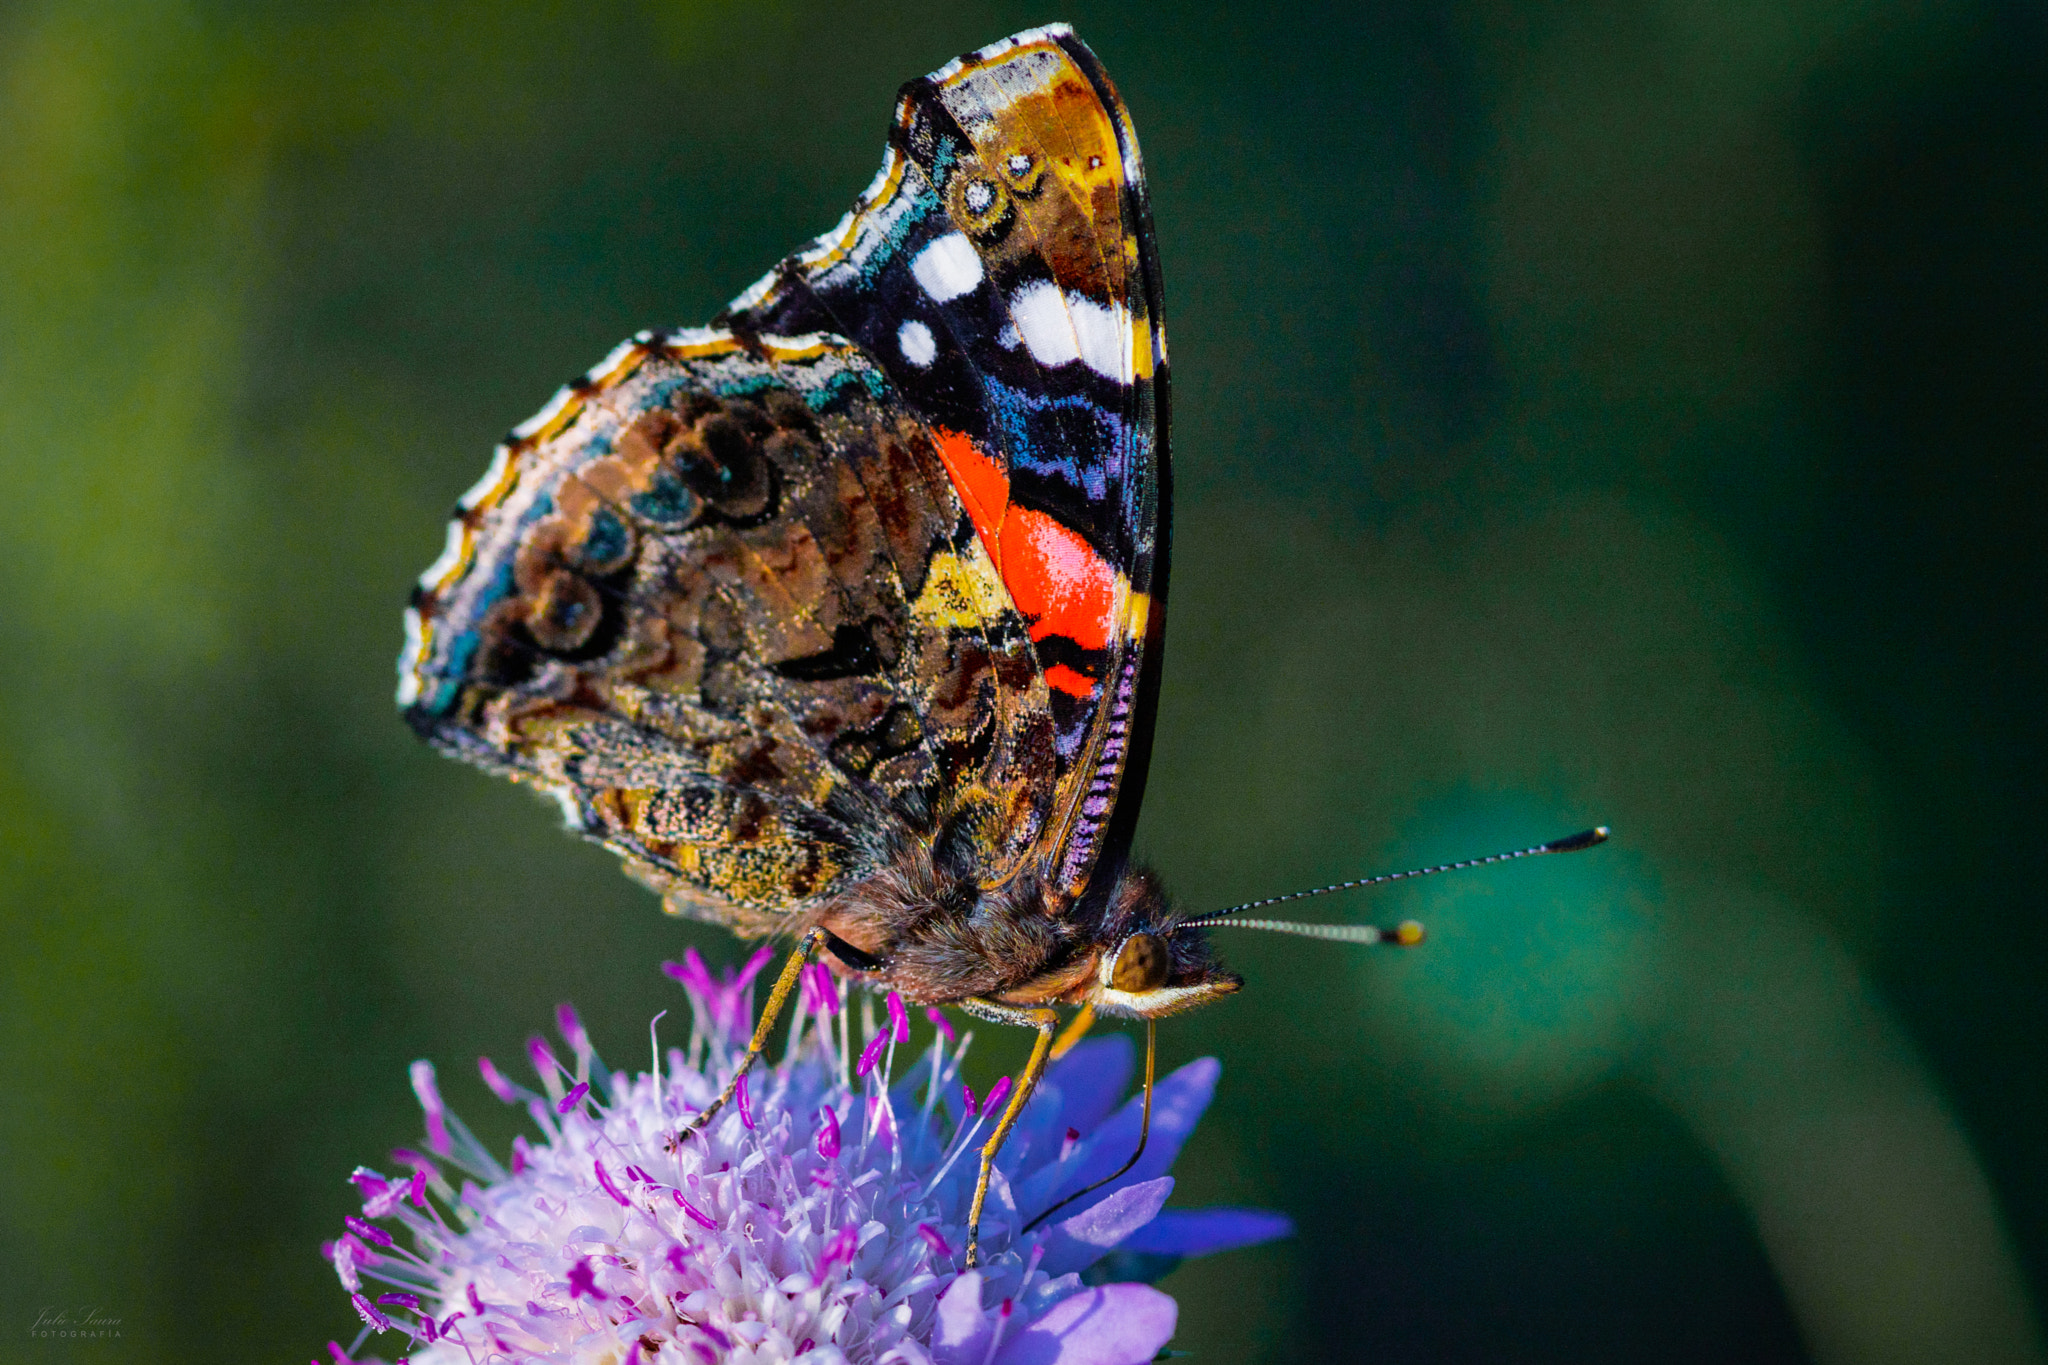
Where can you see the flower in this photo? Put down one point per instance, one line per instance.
(821, 1218)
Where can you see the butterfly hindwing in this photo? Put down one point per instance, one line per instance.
(721, 602)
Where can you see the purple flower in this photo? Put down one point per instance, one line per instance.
(823, 1225)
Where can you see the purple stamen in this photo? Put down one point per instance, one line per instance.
(935, 1240)
(407, 1157)
(340, 1356)
(828, 1134)
(724, 1341)
(475, 1301)
(676, 1261)
(871, 1054)
(941, 1023)
(521, 1153)
(996, 1094)
(746, 1106)
(369, 1232)
(808, 1343)
(1067, 1146)
(605, 1180)
(821, 991)
(543, 1058)
(400, 1301)
(370, 1314)
(967, 1093)
(416, 1190)
(899, 1018)
(573, 1098)
(839, 1252)
(635, 1173)
(572, 1031)
(583, 1281)
(495, 1080)
(437, 1113)
(697, 1215)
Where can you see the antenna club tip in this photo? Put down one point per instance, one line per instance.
(1407, 933)
(1585, 838)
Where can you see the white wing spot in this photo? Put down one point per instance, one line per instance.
(1040, 312)
(948, 268)
(1103, 332)
(1059, 328)
(917, 342)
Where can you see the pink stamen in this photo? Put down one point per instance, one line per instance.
(935, 1240)
(604, 1179)
(941, 1022)
(369, 1232)
(416, 1190)
(821, 991)
(369, 1313)
(996, 1095)
(1067, 1146)
(543, 1058)
(583, 1281)
(871, 1054)
(973, 1105)
(572, 1030)
(521, 1153)
(430, 1101)
(697, 1215)
(840, 1252)
(573, 1098)
(828, 1135)
(495, 1080)
(899, 1017)
(746, 1106)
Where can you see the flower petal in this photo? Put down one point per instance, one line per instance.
(1081, 1241)
(1203, 1232)
(960, 1331)
(1177, 1105)
(1117, 1324)
(1091, 1079)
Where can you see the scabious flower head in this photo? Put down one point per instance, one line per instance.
(819, 1219)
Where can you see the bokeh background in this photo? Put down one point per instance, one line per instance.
(1619, 410)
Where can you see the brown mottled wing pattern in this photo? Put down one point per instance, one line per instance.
(719, 600)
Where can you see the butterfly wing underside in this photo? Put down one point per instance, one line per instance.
(1002, 271)
(759, 603)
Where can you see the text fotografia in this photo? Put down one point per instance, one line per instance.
(76, 1323)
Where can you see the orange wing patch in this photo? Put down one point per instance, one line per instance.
(1056, 578)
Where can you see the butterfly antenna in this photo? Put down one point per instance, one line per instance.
(1408, 933)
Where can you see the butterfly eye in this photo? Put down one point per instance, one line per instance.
(979, 205)
(1140, 965)
(1023, 171)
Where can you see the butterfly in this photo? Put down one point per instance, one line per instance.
(841, 618)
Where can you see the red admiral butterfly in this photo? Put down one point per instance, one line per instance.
(841, 618)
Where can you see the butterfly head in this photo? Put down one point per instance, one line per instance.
(1149, 965)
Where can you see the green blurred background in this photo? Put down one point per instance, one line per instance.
(1607, 411)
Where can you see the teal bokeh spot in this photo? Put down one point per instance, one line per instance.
(1524, 987)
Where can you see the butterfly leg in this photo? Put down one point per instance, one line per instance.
(785, 984)
(1044, 1020)
(1144, 1131)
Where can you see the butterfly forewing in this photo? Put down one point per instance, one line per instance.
(1001, 270)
